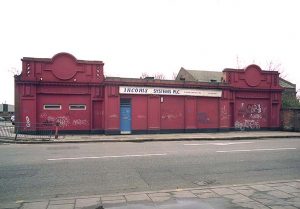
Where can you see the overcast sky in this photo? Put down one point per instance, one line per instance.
(136, 36)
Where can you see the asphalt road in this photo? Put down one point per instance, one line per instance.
(29, 172)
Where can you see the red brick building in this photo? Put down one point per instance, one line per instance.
(76, 95)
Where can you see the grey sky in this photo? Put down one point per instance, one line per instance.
(136, 36)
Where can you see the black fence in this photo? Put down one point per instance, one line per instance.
(26, 131)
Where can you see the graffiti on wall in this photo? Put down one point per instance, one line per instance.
(28, 124)
(251, 111)
(203, 117)
(63, 121)
(250, 116)
(80, 122)
(47, 120)
(247, 124)
(171, 116)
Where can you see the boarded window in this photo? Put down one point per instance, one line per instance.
(52, 107)
(77, 107)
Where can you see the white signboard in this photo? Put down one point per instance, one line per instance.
(170, 91)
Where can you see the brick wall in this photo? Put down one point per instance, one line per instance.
(290, 119)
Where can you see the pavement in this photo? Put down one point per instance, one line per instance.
(264, 195)
(284, 194)
(232, 135)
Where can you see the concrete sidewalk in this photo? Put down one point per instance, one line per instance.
(264, 195)
(233, 135)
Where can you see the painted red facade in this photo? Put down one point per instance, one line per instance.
(76, 95)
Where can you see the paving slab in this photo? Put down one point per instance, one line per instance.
(111, 198)
(160, 197)
(132, 206)
(86, 197)
(288, 189)
(89, 202)
(294, 184)
(224, 191)
(64, 206)
(268, 199)
(261, 196)
(280, 194)
(159, 194)
(246, 192)
(183, 194)
(137, 197)
(62, 201)
(113, 202)
(117, 203)
(283, 207)
(35, 205)
(294, 201)
(296, 194)
(207, 195)
(262, 188)
(9, 205)
(236, 198)
(253, 204)
(200, 191)
(273, 202)
(240, 187)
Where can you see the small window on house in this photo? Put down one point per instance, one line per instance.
(52, 107)
(77, 107)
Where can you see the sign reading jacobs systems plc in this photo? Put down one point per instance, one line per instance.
(170, 91)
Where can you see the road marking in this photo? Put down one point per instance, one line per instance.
(219, 143)
(102, 157)
(254, 150)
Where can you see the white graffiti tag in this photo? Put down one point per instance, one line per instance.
(63, 121)
(27, 122)
(249, 124)
(80, 122)
(251, 111)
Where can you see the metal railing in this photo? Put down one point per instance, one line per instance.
(23, 131)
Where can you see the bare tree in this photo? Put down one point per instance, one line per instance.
(14, 71)
(174, 76)
(160, 76)
(271, 66)
(238, 64)
(144, 75)
(157, 75)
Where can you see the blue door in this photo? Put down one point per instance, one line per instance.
(125, 119)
